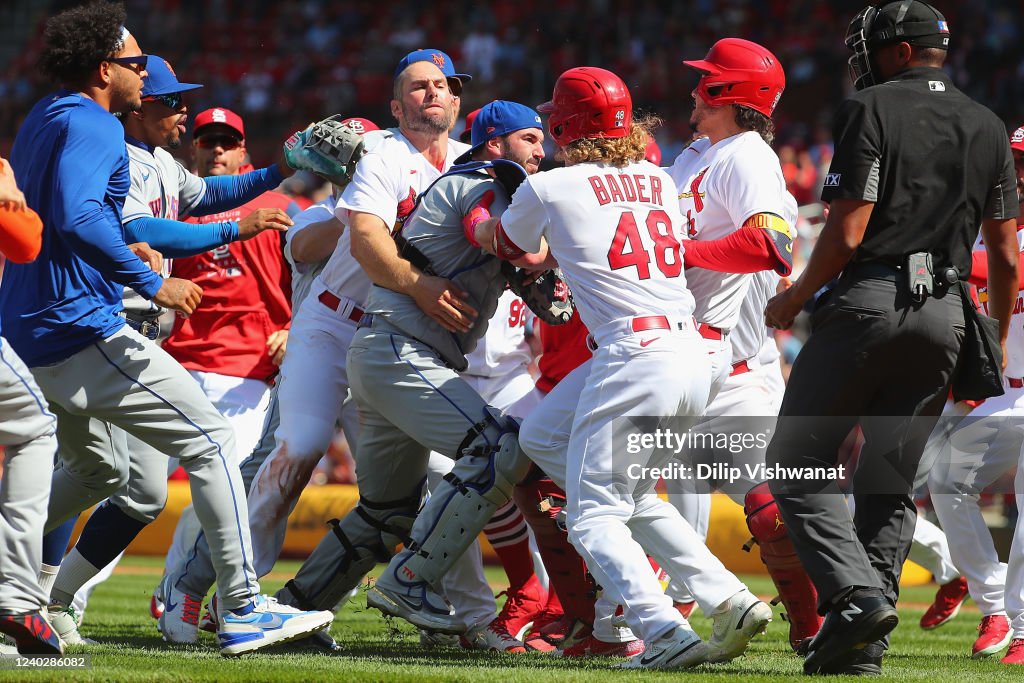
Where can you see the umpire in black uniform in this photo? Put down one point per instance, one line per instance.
(918, 167)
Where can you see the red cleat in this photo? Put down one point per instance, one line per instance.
(1016, 652)
(522, 607)
(685, 608)
(948, 600)
(554, 634)
(993, 636)
(592, 647)
(31, 633)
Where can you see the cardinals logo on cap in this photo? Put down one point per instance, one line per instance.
(219, 116)
(356, 125)
(438, 59)
(1018, 135)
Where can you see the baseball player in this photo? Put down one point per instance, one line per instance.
(740, 220)
(401, 421)
(309, 243)
(97, 373)
(28, 436)
(985, 445)
(151, 214)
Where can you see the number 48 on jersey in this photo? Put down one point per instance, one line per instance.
(630, 249)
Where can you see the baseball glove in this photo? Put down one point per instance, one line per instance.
(547, 295)
(327, 148)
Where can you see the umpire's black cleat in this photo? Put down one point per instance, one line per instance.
(865, 617)
(865, 661)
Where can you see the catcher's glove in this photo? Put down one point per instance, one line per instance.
(328, 148)
(547, 295)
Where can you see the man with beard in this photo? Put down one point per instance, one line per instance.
(405, 358)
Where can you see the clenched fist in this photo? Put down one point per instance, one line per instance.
(263, 219)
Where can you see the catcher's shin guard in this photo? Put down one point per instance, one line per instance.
(462, 504)
(796, 592)
(541, 501)
(367, 535)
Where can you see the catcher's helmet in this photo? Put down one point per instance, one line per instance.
(588, 102)
(908, 21)
(737, 71)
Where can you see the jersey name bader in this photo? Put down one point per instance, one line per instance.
(626, 188)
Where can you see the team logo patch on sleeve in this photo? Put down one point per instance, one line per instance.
(832, 179)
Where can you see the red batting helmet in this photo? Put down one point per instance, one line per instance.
(737, 71)
(588, 102)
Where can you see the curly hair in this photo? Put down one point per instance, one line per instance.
(77, 40)
(618, 152)
(748, 119)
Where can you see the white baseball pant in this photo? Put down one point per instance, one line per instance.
(611, 521)
(985, 445)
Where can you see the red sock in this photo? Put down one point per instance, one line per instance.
(506, 532)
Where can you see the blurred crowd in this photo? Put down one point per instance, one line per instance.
(284, 63)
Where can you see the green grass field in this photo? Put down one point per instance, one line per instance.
(131, 648)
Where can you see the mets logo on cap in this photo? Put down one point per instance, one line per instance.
(438, 59)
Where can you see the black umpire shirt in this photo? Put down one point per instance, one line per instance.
(934, 162)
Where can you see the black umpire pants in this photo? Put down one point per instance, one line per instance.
(878, 359)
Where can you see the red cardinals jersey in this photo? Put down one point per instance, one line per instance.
(246, 297)
(563, 349)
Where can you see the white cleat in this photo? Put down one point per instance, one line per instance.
(179, 622)
(680, 648)
(736, 621)
(65, 622)
(417, 603)
(268, 623)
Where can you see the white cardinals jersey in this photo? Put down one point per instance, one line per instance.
(161, 188)
(503, 350)
(303, 274)
(748, 336)
(721, 186)
(1015, 339)
(615, 233)
(386, 183)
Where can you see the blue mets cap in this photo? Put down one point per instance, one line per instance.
(439, 59)
(160, 79)
(496, 119)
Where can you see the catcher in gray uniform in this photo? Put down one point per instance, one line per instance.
(404, 368)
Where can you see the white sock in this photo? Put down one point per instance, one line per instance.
(75, 572)
(47, 575)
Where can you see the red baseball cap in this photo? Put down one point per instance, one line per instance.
(467, 133)
(360, 125)
(1017, 139)
(218, 116)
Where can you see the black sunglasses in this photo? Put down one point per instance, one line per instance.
(136, 61)
(171, 100)
(225, 142)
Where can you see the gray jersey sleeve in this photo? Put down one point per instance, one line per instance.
(191, 189)
(435, 228)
